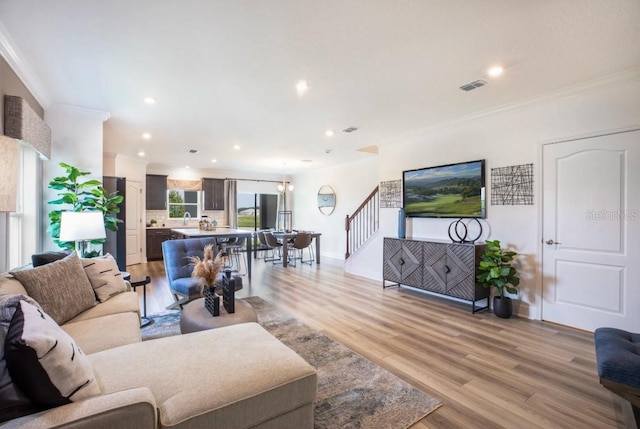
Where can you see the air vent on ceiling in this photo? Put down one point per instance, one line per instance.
(193, 150)
(349, 130)
(473, 85)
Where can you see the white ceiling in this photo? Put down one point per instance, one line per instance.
(224, 72)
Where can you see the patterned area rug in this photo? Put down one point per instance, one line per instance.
(353, 392)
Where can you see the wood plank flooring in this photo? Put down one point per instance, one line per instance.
(488, 372)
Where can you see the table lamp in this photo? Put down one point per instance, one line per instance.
(82, 227)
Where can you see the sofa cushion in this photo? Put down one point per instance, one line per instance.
(195, 384)
(9, 285)
(39, 259)
(106, 332)
(104, 276)
(126, 302)
(13, 402)
(61, 288)
(44, 361)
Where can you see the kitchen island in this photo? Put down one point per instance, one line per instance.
(220, 234)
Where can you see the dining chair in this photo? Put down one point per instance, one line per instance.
(262, 247)
(274, 245)
(231, 251)
(301, 241)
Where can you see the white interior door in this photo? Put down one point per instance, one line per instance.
(591, 232)
(134, 222)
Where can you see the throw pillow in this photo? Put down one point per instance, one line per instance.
(39, 259)
(61, 288)
(105, 276)
(45, 362)
(13, 402)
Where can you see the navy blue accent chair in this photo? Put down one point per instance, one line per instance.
(618, 357)
(177, 265)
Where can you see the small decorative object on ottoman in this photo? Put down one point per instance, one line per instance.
(206, 270)
(195, 317)
(211, 300)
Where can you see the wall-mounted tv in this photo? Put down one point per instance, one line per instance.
(447, 191)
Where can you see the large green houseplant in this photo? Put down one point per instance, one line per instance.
(79, 196)
(496, 270)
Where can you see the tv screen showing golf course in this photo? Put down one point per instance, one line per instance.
(449, 191)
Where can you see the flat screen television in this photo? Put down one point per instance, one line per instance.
(445, 191)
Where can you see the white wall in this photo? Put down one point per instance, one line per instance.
(76, 139)
(352, 183)
(502, 139)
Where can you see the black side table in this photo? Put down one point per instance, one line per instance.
(140, 281)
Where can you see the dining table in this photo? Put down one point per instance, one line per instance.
(219, 234)
(285, 236)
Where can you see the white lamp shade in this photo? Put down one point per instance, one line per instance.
(77, 226)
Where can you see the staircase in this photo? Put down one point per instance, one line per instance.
(363, 223)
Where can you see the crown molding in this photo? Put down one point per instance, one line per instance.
(22, 69)
(82, 111)
(609, 81)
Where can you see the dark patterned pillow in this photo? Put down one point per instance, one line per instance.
(104, 275)
(45, 362)
(61, 288)
(39, 259)
(13, 402)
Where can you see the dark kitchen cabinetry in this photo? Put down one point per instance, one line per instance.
(212, 194)
(156, 192)
(155, 237)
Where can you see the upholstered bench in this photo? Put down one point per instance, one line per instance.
(618, 357)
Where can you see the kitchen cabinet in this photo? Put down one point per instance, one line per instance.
(156, 192)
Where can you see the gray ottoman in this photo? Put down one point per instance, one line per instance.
(195, 317)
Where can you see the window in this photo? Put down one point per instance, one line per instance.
(181, 202)
(256, 211)
(23, 226)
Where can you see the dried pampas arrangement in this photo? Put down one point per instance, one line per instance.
(207, 268)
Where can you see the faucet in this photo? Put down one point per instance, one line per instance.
(184, 218)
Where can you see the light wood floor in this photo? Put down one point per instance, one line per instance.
(488, 372)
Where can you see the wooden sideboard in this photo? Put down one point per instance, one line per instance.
(442, 267)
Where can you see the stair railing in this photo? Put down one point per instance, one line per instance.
(363, 223)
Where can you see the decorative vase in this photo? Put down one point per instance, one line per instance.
(502, 307)
(212, 300)
(228, 292)
(402, 223)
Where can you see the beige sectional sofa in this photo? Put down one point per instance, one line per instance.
(234, 377)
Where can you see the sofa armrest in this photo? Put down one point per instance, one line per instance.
(126, 409)
(128, 286)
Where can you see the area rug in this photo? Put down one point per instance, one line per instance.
(353, 392)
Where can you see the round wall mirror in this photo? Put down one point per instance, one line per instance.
(326, 200)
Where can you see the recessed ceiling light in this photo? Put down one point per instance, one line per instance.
(236, 146)
(146, 136)
(329, 133)
(214, 161)
(302, 87)
(186, 166)
(150, 100)
(141, 154)
(495, 71)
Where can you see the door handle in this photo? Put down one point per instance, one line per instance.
(550, 242)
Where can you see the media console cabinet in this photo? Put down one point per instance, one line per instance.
(442, 267)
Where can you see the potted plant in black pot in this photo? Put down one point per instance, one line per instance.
(496, 269)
